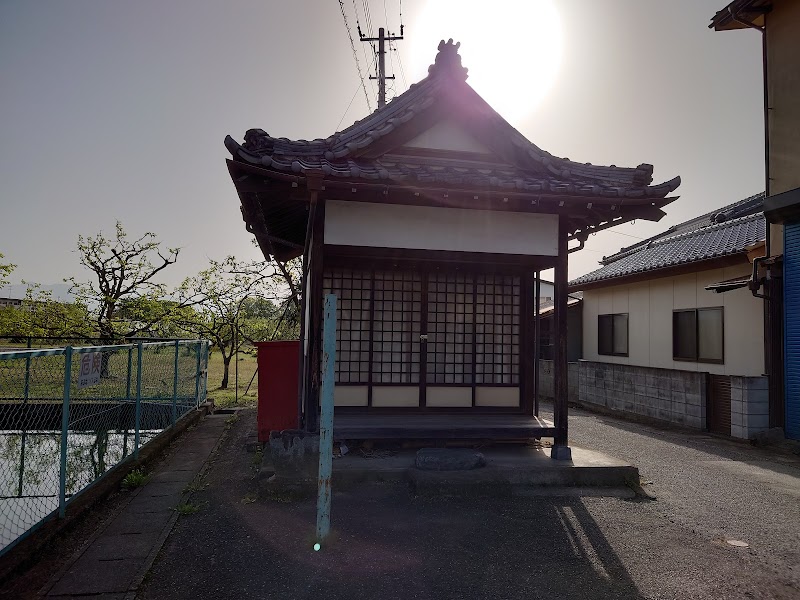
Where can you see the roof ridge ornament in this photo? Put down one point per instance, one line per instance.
(448, 61)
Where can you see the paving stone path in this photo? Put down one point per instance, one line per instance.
(115, 559)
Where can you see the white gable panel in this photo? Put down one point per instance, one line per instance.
(434, 228)
(446, 135)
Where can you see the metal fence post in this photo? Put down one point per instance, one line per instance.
(24, 440)
(62, 472)
(197, 373)
(175, 386)
(138, 401)
(326, 419)
(28, 372)
(130, 369)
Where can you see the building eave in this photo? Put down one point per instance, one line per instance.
(739, 258)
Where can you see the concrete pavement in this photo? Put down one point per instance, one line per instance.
(386, 543)
(113, 562)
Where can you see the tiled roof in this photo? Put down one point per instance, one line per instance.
(533, 169)
(741, 208)
(711, 241)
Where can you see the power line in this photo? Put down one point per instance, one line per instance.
(391, 60)
(363, 50)
(636, 237)
(355, 54)
(367, 17)
(349, 105)
(402, 71)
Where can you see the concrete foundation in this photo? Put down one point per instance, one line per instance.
(508, 470)
(678, 397)
(749, 406)
(291, 463)
(546, 379)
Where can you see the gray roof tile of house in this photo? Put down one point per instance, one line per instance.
(703, 240)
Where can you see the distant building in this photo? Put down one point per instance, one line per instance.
(10, 302)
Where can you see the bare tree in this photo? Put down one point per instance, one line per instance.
(221, 294)
(122, 269)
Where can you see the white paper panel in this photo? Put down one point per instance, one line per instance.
(395, 396)
(497, 396)
(350, 395)
(448, 396)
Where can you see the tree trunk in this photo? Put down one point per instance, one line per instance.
(226, 362)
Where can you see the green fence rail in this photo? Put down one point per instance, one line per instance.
(70, 415)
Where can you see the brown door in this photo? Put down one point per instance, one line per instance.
(719, 404)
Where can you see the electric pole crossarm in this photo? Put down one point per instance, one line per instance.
(382, 39)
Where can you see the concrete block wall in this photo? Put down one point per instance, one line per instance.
(669, 395)
(749, 406)
(546, 380)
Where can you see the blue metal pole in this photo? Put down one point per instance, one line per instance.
(197, 373)
(175, 386)
(138, 401)
(326, 419)
(206, 347)
(62, 472)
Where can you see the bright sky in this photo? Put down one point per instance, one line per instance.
(118, 110)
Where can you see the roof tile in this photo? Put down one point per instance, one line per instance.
(710, 241)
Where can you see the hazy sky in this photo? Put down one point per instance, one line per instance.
(118, 110)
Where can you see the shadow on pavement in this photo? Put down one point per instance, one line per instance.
(384, 544)
(699, 441)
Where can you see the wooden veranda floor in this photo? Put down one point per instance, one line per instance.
(377, 426)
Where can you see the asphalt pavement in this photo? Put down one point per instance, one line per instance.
(388, 544)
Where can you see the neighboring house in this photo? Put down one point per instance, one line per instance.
(429, 220)
(778, 277)
(574, 328)
(10, 302)
(660, 338)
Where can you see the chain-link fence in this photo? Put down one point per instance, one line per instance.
(69, 415)
(11, 343)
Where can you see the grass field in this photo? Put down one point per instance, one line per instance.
(44, 375)
(227, 398)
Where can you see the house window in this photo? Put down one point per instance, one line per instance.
(697, 335)
(612, 334)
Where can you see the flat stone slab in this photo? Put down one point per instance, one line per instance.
(91, 576)
(506, 467)
(486, 482)
(114, 560)
(449, 459)
(119, 546)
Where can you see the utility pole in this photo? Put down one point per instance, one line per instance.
(381, 39)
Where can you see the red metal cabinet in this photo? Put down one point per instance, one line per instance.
(278, 364)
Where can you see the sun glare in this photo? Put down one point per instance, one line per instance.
(512, 48)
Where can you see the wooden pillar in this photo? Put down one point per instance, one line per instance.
(560, 450)
(311, 378)
(537, 336)
(527, 338)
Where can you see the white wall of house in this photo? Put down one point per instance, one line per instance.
(649, 305)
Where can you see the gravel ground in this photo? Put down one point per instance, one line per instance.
(387, 544)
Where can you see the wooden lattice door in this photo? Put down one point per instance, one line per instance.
(438, 339)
